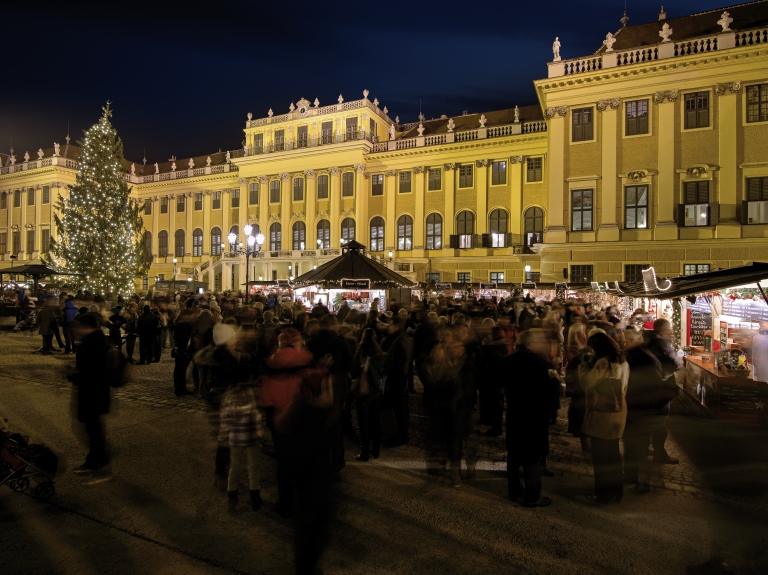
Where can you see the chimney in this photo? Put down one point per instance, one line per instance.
(662, 14)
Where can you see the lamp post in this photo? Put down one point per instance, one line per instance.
(527, 271)
(252, 246)
(175, 269)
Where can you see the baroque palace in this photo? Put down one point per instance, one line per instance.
(651, 151)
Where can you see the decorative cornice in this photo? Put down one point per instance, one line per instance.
(733, 87)
(697, 171)
(322, 215)
(285, 176)
(310, 174)
(418, 169)
(359, 168)
(613, 104)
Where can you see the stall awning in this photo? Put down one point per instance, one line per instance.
(34, 270)
(681, 286)
(352, 264)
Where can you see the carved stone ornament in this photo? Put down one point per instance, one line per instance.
(725, 22)
(637, 175)
(609, 41)
(670, 95)
(171, 196)
(613, 104)
(390, 173)
(274, 217)
(188, 194)
(558, 111)
(242, 181)
(309, 174)
(665, 32)
(481, 163)
(295, 216)
(348, 212)
(340, 99)
(334, 170)
(696, 171)
(516, 160)
(285, 176)
(733, 87)
(263, 179)
(419, 170)
(322, 214)
(448, 167)
(483, 120)
(359, 168)
(420, 129)
(207, 192)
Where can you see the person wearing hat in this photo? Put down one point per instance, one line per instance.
(115, 322)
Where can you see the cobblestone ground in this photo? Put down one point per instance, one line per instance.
(152, 386)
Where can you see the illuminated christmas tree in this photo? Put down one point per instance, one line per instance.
(100, 227)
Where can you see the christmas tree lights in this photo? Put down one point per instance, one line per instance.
(100, 227)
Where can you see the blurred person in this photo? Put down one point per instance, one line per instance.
(399, 349)
(528, 414)
(575, 350)
(604, 377)
(660, 345)
(131, 329)
(46, 321)
(369, 364)
(147, 328)
(115, 323)
(494, 348)
(70, 312)
(157, 346)
(181, 352)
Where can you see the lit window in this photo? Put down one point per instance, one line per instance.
(404, 233)
(377, 234)
(497, 277)
(377, 185)
(323, 234)
(757, 103)
(464, 277)
(498, 228)
(636, 121)
(693, 269)
(581, 210)
(636, 207)
(696, 206)
(434, 232)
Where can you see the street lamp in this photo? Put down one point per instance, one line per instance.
(390, 255)
(252, 246)
(175, 270)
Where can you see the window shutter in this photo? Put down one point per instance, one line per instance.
(753, 189)
(703, 118)
(588, 132)
(681, 215)
(690, 119)
(642, 125)
(485, 240)
(744, 214)
(509, 239)
(714, 213)
(703, 193)
(454, 242)
(477, 241)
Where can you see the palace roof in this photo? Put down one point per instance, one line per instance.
(472, 121)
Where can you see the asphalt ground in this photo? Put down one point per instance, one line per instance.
(157, 511)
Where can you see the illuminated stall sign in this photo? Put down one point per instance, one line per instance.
(443, 286)
(356, 284)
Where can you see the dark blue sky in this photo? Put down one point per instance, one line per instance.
(182, 76)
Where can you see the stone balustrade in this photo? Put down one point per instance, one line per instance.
(319, 111)
(39, 163)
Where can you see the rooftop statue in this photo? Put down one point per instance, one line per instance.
(56, 149)
(609, 41)
(556, 49)
(665, 32)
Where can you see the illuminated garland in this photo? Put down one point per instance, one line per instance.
(100, 228)
(677, 322)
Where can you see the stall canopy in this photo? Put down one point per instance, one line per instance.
(35, 271)
(352, 264)
(681, 286)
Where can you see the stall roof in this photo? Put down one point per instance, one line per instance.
(353, 264)
(668, 288)
(34, 270)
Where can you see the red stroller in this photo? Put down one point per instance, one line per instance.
(21, 461)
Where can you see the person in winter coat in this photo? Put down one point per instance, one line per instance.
(131, 329)
(369, 362)
(115, 323)
(604, 378)
(47, 325)
(92, 363)
(575, 350)
(241, 427)
(182, 334)
(490, 379)
(399, 349)
(70, 311)
(147, 328)
(660, 345)
(528, 413)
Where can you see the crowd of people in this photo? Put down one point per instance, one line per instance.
(298, 373)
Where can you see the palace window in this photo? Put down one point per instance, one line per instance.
(30, 241)
(302, 136)
(279, 140)
(636, 121)
(323, 234)
(198, 201)
(274, 192)
(377, 185)
(299, 235)
(465, 176)
(405, 183)
(351, 128)
(377, 234)
(582, 125)
(3, 243)
(164, 205)
(46, 194)
(434, 231)
(180, 203)
(348, 229)
(179, 244)
(216, 241)
(581, 274)
(497, 277)
(16, 237)
(465, 228)
(16, 198)
(216, 201)
(298, 190)
(147, 207)
(162, 244)
(757, 103)
(347, 184)
(581, 210)
(498, 228)
(636, 207)
(696, 110)
(322, 187)
(3, 200)
(197, 242)
(234, 230)
(275, 237)
(499, 173)
(235, 198)
(253, 193)
(464, 277)
(30, 196)
(148, 243)
(435, 179)
(533, 171)
(757, 201)
(634, 272)
(404, 233)
(258, 143)
(533, 226)
(693, 269)
(327, 132)
(432, 277)
(145, 282)
(696, 206)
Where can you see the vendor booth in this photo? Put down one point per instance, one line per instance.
(172, 286)
(720, 320)
(34, 271)
(352, 277)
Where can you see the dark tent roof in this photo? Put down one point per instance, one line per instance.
(688, 285)
(352, 264)
(34, 270)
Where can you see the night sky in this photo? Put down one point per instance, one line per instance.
(182, 76)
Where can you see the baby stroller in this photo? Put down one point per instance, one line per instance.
(28, 321)
(20, 461)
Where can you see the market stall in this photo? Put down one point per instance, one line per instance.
(352, 277)
(34, 271)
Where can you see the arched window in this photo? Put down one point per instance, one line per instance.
(377, 234)
(347, 230)
(323, 235)
(162, 244)
(404, 232)
(216, 241)
(275, 237)
(197, 242)
(179, 244)
(299, 235)
(465, 228)
(148, 243)
(498, 228)
(434, 232)
(534, 226)
(234, 230)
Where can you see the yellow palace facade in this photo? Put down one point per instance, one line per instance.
(651, 151)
